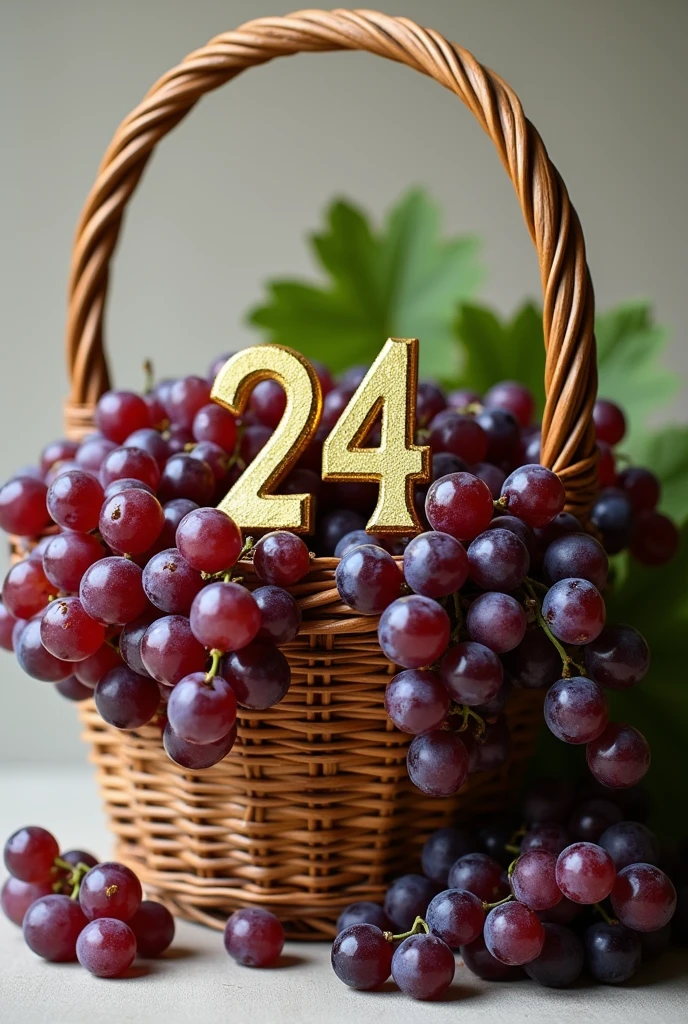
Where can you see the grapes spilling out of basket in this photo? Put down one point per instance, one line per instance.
(131, 591)
(577, 886)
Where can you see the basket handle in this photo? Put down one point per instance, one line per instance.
(568, 445)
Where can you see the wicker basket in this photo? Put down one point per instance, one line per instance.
(313, 808)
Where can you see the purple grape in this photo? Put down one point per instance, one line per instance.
(579, 555)
(497, 621)
(407, 898)
(254, 937)
(437, 763)
(479, 874)
(456, 916)
(435, 564)
(561, 959)
(576, 710)
(153, 928)
(472, 673)
(498, 560)
(362, 957)
(368, 579)
(52, 925)
(106, 947)
(280, 615)
(575, 611)
(619, 658)
(442, 849)
(110, 890)
(195, 756)
(612, 952)
(423, 966)
(363, 912)
(630, 842)
(417, 701)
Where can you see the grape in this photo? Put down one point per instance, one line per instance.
(334, 526)
(435, 564)
(578, 555)
(442, 849)
(38, 550)
(458, 434)
(502, 432)
(459, 504)
(26, 589)
(127, 483)
(74, 500)
(416, 701)
(562, 525)
(534, 494)
(186, 477)
(363, 912)
(119, 413)
(185, 398)
(111, 591)
(591, 819)
(548, 801)
(491, 475)
(91, 670)
(492, 749)
(209, 540)
(130, 642)
(494, 707)
(224, 616)
(429, 402)
(253, 440)
(362, 957)
(619, 657)
(170, 583)
(655, 539)
(612, 952)
(368, 579)
(576, 710)
(153, 928)
(354, 539)
(58, 451)
(437, 763)
(630, 842)
(254, 937)
(444, 463)
(620, 757)
(406, 899)
(76, 857)
(125, 699)
(68, 633)
(497, 621)
(498, 560)
(479, 874)
(461, 398)
(494, 837)
(268, 402)
(643, 897)
(641, 487)
(225, 473)
(610, 422)
(535, 663)
(575, 611)
(606, 467)
(51, 927)
(110, 890)
(423, 966)
(563, 913)
(612, 517)
(552, 838)
(533, 882)
(170, 651)
(456, 916)
(280, 615)
(30, 853)
(585, 873)
(216, 365)
(561, 960)
(215, 424)
(72, 689)
(513, 934)
(472, 673)
(92, 452)
(151, 441)
(478, 959)
(67, 557)
(515, 398)
(33, 657)
(196, 756)
(259, 675)
(281, 558)
(16, 897)
(414, 631)
(22, 506)
(202, 710)
(130, 463)
(106, 947)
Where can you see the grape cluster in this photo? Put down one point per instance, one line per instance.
(71, 907)
(576, 886)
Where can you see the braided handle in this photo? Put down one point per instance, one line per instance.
(568, 445)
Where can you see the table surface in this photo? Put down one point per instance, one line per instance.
(197, 982)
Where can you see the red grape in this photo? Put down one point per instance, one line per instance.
(437, 763)
(33, 657)
(498, 560)
(479, 874)
(513, 934)
(281, 558)
(576, 710)
(131, 521)
(585, 873)
(655, 539)
(106, 947)
(187, 477)
(643, 897)
(72, 689)
(423, 966)
(414, 631)
(268, 402)
(534, 494)
(575, 611)
(254, 937)
(68, 633)
(52, 925)
(91, 670)
(130, 463)
(458, 434)
(610, 422)
(641, 486)
(497, 621)
(429, 402)
(151, 441)
(259, 675)
(368, 579)
(22, 506)
(30, 853)
(215, 424)
(26, 589)
(201, 710)
(515, 398)
(225, 617)
(170, 583)
(185, 398)
(363, 912)
(459, 504)
(472, 673)
(16, 897)
(435, 564)
(153, 928)
(362, 957)
(111, 591)
(74, 501)
(209, 540)
(416, 701)
(280, 615)
(533, 880)
(170, 651)
(195, 756)
(119, 413)
(67, 557)
(110, 890)
(456, 916)
(92, 452)
(478, 959)
(126, 700)
(619, 757)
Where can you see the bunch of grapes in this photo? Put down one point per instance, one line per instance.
(576, 887)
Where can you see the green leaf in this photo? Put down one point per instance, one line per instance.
(403, 281)
(665, 452)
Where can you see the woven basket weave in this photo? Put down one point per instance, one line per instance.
(313, 808)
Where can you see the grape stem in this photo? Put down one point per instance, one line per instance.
(226, 574)
(75, 877)
(419, 925)
(501, 503)
(466, 713)
(498, 903)
(514, 844)
(148, 376)
(216, 655)
(604, 915)
(567, 662)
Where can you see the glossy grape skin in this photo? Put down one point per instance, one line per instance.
(33, 657)
(442, 849)
(368, 579)
(533, 882)
(553, 838)
(479, 961)
(576, 710)
(254, 937)
(514, 397)
(497, 621)
(575, 611)
(429, 402)
(364, 912)
(561, 959)
(641, 487)
(479, 874)
(22, 506)
(423, 966)
(496, 705)
(224, 616)
(535, 663)
(352, 540)
(655, 539)
(67, 557)
(609, 420)
(414, 631)
(26, 589)
(68, 633)
(72, 689)
(630, 842)
(119, 413)
(209, 540)
(589, 821)
(619, 658)
(458, 434)
(281, 558)
(200, 710)
(215, 424)
(74, 500)
(612, 952)
(91, 453)
(29, 854)
(151, 442)
(564, 912)
(126, 700)
(585, 873)
(130, 642)
(110, 890)
(186, 396)
(130, 463)
(407, 898)
(106, 947)
(491, 475)
(91, 670)
(472, 673)
(186, 477)
(643, 897)
(361, 957)
(503, 434)
(619, 757)
(196, 756)
(16, 897)
(259, 675)
(576, 555)
(534, 494)
(51, 927)
(459, 504)
(498, 560)
(268, 402)
(416, 701)
(279, 614)
(153, 928)
(170, 651)
(62, 450)
(612, 516)
(548, 801)
(131, 521)
(456, 916)
(335, 525)
(111, 591)
(170, 583)
(435, 564)
(437, 763)
(513, 934)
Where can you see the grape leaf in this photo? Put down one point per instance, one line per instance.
(401, 281)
